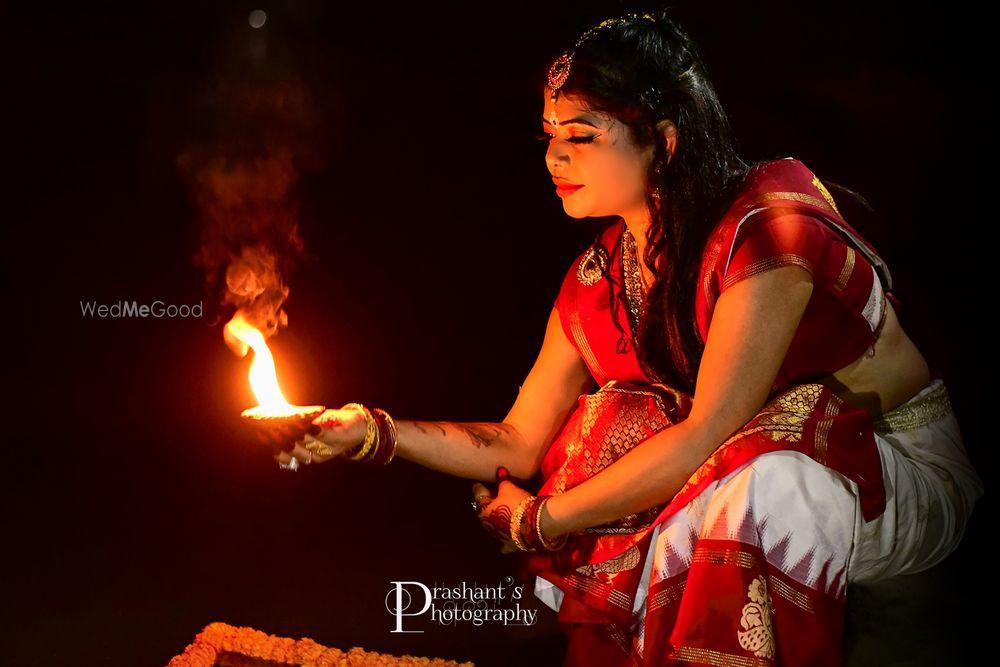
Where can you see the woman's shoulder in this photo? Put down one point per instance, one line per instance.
(780, 182)
(782, 179)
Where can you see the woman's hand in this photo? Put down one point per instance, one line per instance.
(331, 434)
(495, 512)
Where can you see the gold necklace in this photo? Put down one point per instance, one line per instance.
(635, 282)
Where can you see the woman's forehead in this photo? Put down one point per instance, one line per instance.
(568, 109)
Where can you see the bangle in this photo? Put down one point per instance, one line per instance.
(389, 437)
(381, 450)
(515, 523)
(381, 437)
(548, 546)
(360, 452)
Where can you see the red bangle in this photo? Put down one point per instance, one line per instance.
(385, 448)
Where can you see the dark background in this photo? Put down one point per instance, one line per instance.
(135, 514)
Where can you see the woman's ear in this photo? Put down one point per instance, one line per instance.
(668, 129)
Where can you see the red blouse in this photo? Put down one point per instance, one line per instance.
(782, 215)
(585, 313)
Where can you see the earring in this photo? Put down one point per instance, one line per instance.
(657, 170)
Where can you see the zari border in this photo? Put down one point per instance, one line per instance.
(748, 560)
(665, 596)
(576, 326)
(847, 270)
(818, 184)
(930, 408)
(800, 600)
(821, 442)
(600, 589)
(703, 656)
(766, 264)
(794, 196)
(709, 272)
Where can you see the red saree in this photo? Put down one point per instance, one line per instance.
(725, 596)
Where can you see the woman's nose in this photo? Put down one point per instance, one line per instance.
(556, 156)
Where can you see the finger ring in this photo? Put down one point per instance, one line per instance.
(319, 448)
(480, 506)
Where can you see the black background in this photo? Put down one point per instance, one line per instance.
(134, 514)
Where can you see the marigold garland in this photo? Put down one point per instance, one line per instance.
(219, 638)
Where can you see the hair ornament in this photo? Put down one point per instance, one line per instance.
(559, 70)
(651, 97)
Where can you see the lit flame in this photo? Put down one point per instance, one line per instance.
(263, 378)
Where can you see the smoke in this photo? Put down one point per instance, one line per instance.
(257, 132)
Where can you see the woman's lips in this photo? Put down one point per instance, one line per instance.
(565, 189)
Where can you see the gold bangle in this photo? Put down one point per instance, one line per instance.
(560, 541)
(372, 440)
(515, 523)
(371, 433)
(353, 451)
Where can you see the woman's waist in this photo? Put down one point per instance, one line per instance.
(930, 404)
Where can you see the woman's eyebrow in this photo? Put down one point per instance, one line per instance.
(578, 121)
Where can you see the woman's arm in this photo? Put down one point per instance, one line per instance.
(752, 327)
(474, 450)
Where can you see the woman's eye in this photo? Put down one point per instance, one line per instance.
(546, 137)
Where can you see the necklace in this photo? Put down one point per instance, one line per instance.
(635, 282)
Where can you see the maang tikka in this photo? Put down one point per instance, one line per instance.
(559, 70)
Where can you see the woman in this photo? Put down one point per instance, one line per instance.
(764, 433)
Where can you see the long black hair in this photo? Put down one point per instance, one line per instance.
(640, 70)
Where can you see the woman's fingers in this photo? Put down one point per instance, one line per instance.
(481, 497)
(494, 518)
(287, 461)
(301, 455)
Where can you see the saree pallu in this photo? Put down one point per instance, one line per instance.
(749, 563)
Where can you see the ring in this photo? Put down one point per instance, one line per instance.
(480, 506)
(319, 448)
(293, 465)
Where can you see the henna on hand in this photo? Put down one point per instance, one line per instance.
(484, 434)
(497, 522)
(481, 434)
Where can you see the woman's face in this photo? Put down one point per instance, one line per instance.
(594, 151)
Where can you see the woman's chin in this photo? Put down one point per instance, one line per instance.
(575, 211)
